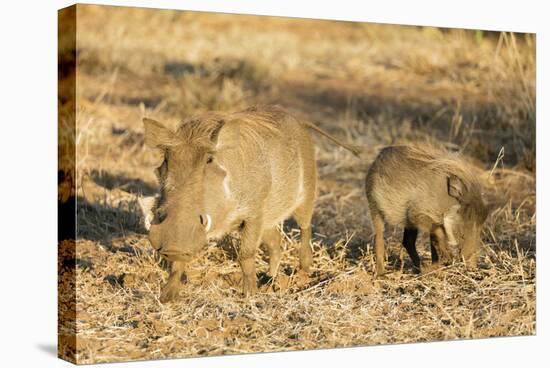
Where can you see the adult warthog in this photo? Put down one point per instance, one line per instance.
(429, 190)
(244, 171)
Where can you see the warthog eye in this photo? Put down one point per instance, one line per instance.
(160, 215)
(209, 159)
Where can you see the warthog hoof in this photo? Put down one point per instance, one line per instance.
(171, 290)
(249, 287)
(380, 271)
(427, 268)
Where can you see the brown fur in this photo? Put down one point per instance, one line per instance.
(245, 171)
(430, 190)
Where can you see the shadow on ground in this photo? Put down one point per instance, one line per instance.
(50, 349)
(125, 183)
(102, 223)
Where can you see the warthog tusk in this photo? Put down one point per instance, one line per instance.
(147, 221)
(146, 205)
(208, 224)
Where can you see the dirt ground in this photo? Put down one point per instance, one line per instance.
(369, 84)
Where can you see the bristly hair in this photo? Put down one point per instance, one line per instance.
(256, 122)
(200, 127)
(449, 163)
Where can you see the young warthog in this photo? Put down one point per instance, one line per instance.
(427, 190)
(245, 171)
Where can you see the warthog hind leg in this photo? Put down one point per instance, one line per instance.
(272, 239)
(303, 216)
(379, 247)
(433, 248)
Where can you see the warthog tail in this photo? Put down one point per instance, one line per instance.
(356, 150)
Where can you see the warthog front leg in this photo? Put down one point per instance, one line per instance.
(439, 246)
(171, 290)
(250, 240)
(409, 242)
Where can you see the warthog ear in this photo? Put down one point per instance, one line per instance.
(455, 187)
(156, 134)
(216, 131)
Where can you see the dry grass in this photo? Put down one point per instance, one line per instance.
(372, 84)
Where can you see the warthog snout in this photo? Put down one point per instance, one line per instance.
(154, 237)
(179, 242)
